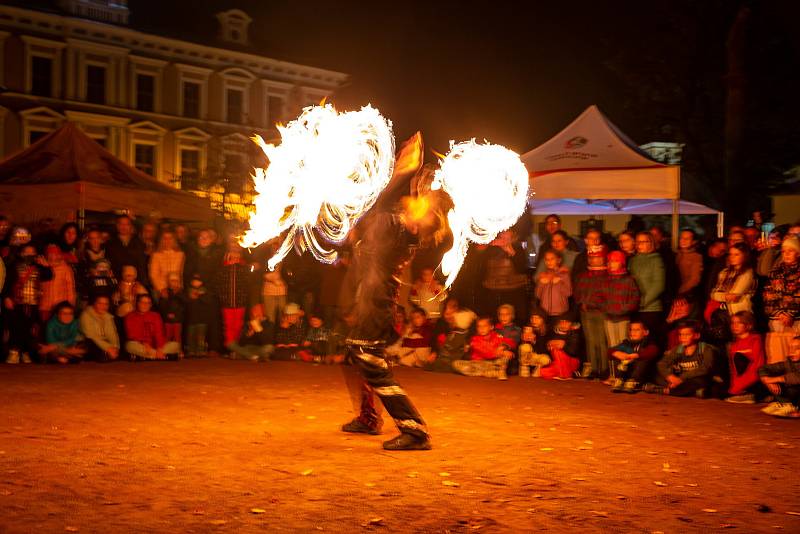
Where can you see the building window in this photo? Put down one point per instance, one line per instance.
(35, 135)
(145, 159)
(275, 106)
(96, 84)
(191, 100)
(235, 102)
(145, 92)
(190, 169)
(42, 76)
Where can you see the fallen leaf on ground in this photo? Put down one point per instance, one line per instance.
(709, 510)
(369, 484)
(546, 449)
(659, 483)
(793, 513)
(450, 483)
(311, 417)
(71, 529)
(217, 522)
(199, 512)
(413, 474)
(257, 511)
(373, 521)
(444, 474)
(599, 513)
(306, 472)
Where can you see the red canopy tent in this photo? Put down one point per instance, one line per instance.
(66, 173)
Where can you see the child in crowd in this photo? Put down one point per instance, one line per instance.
(290, 333)
(172, 307)
(553, 286)
(399, 322)
(22, 292)
(590, 295)
(61, 287)
(511, 334)
(455, 344)
(621, 299)
(783, 380)
(533, 346)
(101, 281)
(273, 294)
(62, 338)
(563, 346)
(144, 331)
(199, 314)
(128, 291)
(100, 331)
(414, 348)
(686, 370)
(232, 287)
(745, 357)
(489, 354)
(317, 343)
(633, 359)
(428, 294)
(256, 342)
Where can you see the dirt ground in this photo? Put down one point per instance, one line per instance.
(222, 446)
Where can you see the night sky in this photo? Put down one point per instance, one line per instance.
(512, 74)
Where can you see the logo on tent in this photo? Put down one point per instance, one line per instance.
(576, 142)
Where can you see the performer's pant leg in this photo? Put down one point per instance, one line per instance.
(379, 377)
(362, 395)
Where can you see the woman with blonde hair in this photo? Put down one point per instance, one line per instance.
(168, 258)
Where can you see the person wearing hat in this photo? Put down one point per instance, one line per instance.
(289, 333)
(22, 296)
(782, 300)
(590, 297)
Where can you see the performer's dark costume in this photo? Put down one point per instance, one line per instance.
(369, 297)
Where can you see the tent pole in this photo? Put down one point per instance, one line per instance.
(675, 222)
(720, 224)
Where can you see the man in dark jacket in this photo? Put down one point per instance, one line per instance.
(126, 249)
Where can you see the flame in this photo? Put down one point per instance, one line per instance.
(325, 174)
(409, 157)
(488, 185)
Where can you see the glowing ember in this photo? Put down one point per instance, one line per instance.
(325, 174)
(489, 188)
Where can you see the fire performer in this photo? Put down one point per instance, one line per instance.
(389, 237)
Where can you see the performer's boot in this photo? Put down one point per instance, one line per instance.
(357, 427)
(408, 442)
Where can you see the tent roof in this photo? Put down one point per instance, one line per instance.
(66, 170)
(571, 206)
(591, 158)
(69, 155)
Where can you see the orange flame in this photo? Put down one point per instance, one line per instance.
(409, 157)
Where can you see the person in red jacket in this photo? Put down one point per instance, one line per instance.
(145, 331)
(489, 353)
(745, 357)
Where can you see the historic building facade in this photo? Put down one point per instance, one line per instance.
(180, 111)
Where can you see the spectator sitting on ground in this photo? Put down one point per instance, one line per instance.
(533, 346)
(783, 380)
(256, 342)
(489, 354)
(511, 334)
(455, 345)
(62, 339)
(633, 359)
(553, 286)
(745, 357)
(144, 331)
(563, 346)
(399, 321)
(782, 300)
(100, 332)
(686, 370)
(317, 344)
(414, 348)
(289, 334)
(443, 326)
(428, 293)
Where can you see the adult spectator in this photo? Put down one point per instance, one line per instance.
(505, 278)
(167, 259)
(647, 268)
(782, 300)
(560, 243)
(663, 246)
(589, 296)
(735, 283)
(769, 253)
(204, 261)
(715, 260)
(126, 248)
(149, 235)
(183, 235)
(552, 224)
(22, 292)
(690, 266)
(97, 327)
(144, 330)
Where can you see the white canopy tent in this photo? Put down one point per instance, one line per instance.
(592, 168)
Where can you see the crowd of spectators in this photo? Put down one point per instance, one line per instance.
(719, 319)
